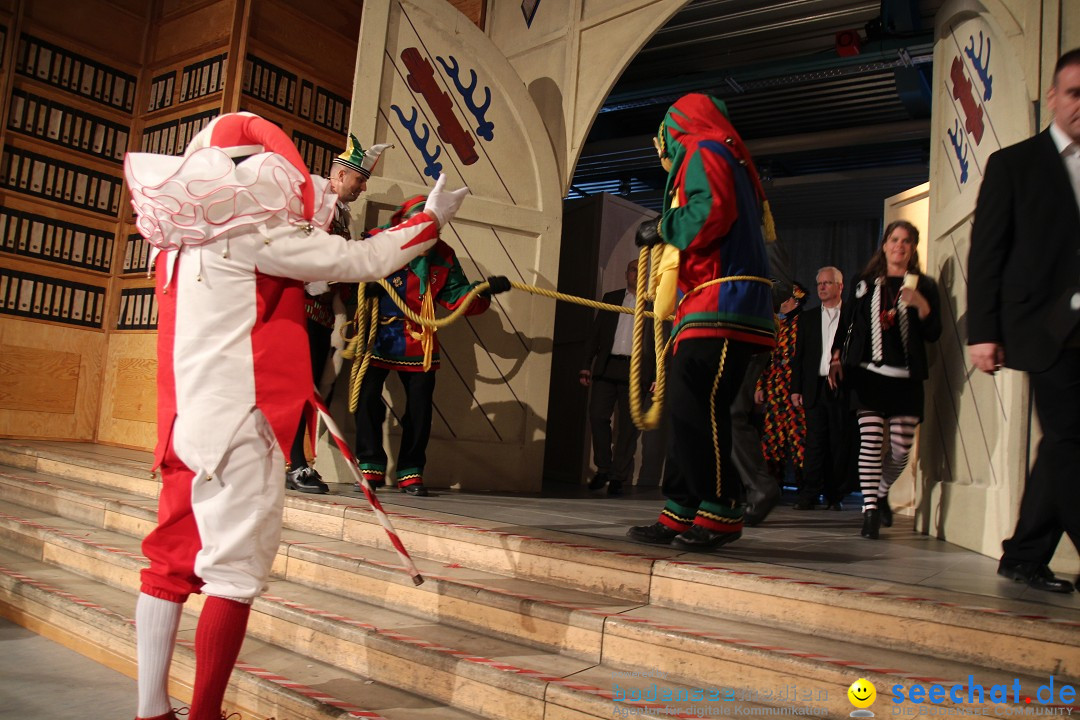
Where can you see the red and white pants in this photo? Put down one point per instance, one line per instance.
(218, 533)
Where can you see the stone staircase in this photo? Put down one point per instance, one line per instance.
(511, 624)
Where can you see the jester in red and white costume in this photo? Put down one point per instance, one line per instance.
(237, 225)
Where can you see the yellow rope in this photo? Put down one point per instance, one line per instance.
(712, 414)
(362, 344)
(651, 419)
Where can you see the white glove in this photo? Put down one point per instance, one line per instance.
(315, 289)
(444, 204)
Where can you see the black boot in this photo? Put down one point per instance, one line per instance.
(871, 525)
(599, 480)
(656, 534)
(886, 511)
(699, 539)
(306, 480)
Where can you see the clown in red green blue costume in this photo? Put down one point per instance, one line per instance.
(712, 218)
(412, 351)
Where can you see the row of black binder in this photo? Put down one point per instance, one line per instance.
(138, 309)
(61, 124)
(66, 183)
(331, 111)
(45, 298)
(75, 73)
(204, 77)
(171, 137)
(317, 154)
(44, 238)
(161, 91)
(269, 83)
(277, 86)
(136, 254)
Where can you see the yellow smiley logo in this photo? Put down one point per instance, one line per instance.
(862, 693)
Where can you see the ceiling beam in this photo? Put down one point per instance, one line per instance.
(906, 130)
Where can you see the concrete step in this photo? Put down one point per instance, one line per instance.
(472, 672)
(562, 620)
(933, 622)
(759, 663)
(269, 681)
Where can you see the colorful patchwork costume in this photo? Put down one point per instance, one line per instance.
(783, 439)
(237, 226)
(713, 212)
(413, 352)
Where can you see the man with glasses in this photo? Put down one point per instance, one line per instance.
(828, 423)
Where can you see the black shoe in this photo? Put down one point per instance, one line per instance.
(614, 488)
(657, 533)
(886, 511)
(306, 480)
(805, 504)
(698, 539)
(871, 525)
(755, 513)
(599, 480)
(415, 489)
(1039, 578)
(836, 505)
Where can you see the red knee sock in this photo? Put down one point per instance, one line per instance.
(218, 638)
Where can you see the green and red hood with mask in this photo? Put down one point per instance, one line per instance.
(713, 214)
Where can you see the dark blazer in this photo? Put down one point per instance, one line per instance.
(602, 337)
(921, 331)
(805, 373)
(1024, 262)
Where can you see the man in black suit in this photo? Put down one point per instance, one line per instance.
(607, 372)
(828, 419)
(1023, 312)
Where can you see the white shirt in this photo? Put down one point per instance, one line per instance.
(623, 344)
(1070, 155)
(830, 319)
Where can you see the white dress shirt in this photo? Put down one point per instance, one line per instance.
(623, 344)
(830, 319)
(1070, 154)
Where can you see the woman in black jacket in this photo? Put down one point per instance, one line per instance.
(883, 354)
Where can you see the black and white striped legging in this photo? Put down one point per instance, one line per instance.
(876, 476)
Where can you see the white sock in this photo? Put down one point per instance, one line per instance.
(156, 623)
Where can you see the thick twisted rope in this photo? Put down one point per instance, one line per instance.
(362, 343)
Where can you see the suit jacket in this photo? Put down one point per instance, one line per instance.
(806, 369)
(602, 337)
(1024, 263)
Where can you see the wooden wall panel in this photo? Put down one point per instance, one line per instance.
(135, 394)
(38, 380)
(182, 35)
(116, 33)
(129, 393)
(340, 16)
(68, 358)
(472, 9)
(293, 33)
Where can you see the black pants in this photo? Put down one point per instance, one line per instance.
(319, 348)
(1051, 500)
(415, 422)
(608, 397)
(827, 467)
(699, 464)
(761, 487)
